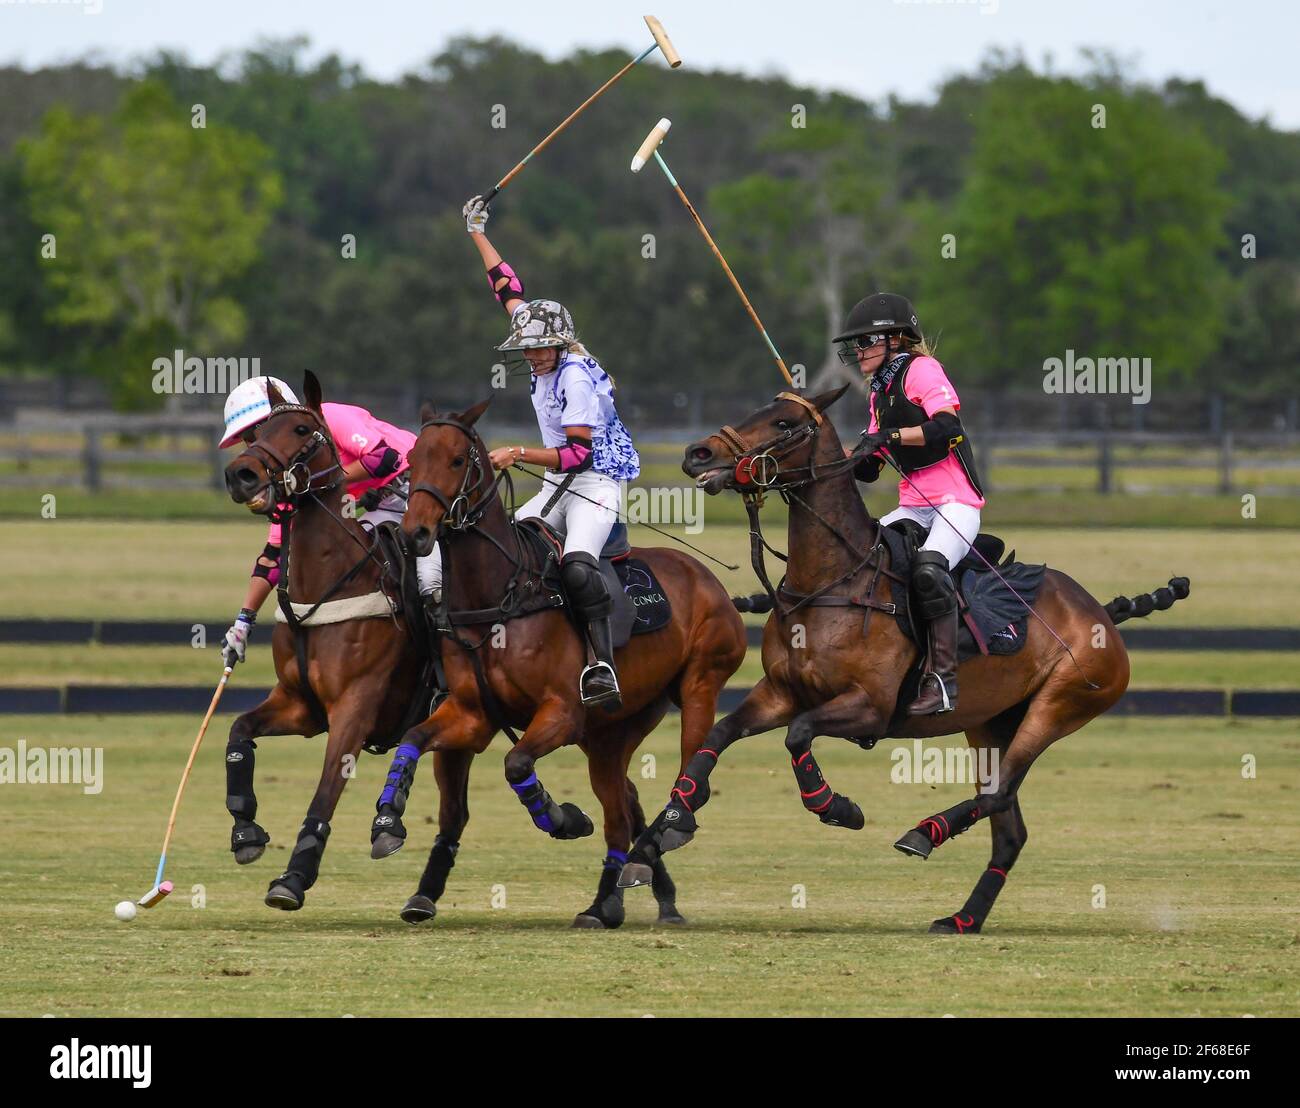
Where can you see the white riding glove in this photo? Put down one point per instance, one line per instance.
(235, 644)
(476, 213)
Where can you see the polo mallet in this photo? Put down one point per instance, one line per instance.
(651, 147)
(661, 43)
(160, 887)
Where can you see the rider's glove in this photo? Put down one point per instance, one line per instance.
(235, 644)
(476, 214)
(875, 440)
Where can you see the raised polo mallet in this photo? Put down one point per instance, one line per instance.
(661, 43)
(160, 887)
(650, 148)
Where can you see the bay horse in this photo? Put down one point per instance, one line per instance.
(356, 678)
(512, 656)
(833, 663)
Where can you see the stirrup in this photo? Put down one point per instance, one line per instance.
(601, 698)
(946, 704)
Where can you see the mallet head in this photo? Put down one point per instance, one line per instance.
(155, 894)
(665, 43)
(652, 140)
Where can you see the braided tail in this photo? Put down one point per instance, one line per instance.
(1124, 607)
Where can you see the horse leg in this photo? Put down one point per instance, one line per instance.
(451, 770)
(278, 714)
(1058, 709)
(554, 723)
(347, 734)
(850, 715)
(662, 884)
(607, 769)
(765, 707)
(451, 729)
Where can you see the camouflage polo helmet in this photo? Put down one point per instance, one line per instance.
(540, 323)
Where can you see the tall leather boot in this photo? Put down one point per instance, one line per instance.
(592, 605)
(936, 602)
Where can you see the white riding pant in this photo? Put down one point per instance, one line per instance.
(584, 515)
(952, 539)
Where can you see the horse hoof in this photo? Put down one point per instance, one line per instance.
(577, 824)
(915, 842)
(283, 897)
(960, 924)
(635, 873)
(419, 909)
(247, 855)
(844, 813)
(607, 914)
(584, 922)
(385, 844)
(668, 914)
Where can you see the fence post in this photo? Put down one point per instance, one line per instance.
(1225, 462)
(1104, 463)
(215, 459)
(91, 459)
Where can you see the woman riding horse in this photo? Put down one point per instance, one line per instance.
(585, 446)
(373, 456)
(914, 419)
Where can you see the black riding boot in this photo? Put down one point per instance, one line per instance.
(936, 603)
(592, 605)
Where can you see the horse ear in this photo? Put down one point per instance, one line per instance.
(428, 411)
(273, 394)
(470, 416)
(311, 391)
(826, 399)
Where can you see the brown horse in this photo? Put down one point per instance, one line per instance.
(363, 673)
(512, 659)
(834, 659)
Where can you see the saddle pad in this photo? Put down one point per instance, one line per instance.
(999, 615)
(650, 602)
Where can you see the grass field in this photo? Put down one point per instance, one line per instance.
(91, 569)
(1197, 864)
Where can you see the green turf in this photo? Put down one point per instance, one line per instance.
(192, 571)
(1198, 866)
(93, 664)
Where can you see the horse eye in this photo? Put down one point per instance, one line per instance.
(783, 425)
(456, 463)
(302, 429)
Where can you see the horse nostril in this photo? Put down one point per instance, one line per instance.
(422, 540)
(701, 453)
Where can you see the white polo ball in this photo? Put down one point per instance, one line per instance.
(125, 911)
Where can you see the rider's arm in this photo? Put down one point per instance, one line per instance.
(934, 430)
(506, 284)
(573, 457)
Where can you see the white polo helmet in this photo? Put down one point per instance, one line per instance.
(247, 405)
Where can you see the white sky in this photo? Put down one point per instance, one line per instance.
(1244, 51)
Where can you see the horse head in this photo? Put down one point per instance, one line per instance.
(449, 465)
(782, 436)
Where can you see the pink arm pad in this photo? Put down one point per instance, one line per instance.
(573, 454)
(513, 289)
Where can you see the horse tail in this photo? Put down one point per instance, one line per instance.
(1124, 607)
(758, 603)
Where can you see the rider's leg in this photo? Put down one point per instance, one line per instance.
(936, 596)
(589, 518)
(428, 570)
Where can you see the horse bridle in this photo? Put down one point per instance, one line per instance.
(458, 512)
(758, 467)
(282, 473)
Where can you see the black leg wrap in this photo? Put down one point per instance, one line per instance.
(665, 892)
(308, 851)
(692, 787)
(433, 882)
(560, 821)
(607, 909)
(830, 807)
(980, 902)
(241, 801)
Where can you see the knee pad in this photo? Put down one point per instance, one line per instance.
(585, 585)
(935, 593)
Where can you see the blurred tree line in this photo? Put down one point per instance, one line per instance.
(1024, 212)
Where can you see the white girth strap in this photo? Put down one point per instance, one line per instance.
(371, 606)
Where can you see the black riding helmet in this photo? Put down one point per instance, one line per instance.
(879, 313)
